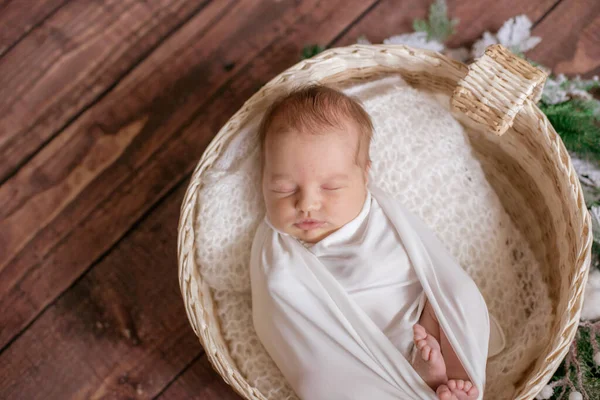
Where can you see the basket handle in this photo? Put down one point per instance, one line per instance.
(495, 88)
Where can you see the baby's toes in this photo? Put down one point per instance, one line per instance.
(463, 390)
(468, 386)
(443, 392)
(456, 384)
(472, 392)
(421, 344)
(424, 349)
(419, 332)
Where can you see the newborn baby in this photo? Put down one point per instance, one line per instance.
(315, 182)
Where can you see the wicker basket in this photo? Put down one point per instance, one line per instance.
(523, 158)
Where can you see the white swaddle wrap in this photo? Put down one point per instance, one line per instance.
(376, 269)
(337, 316)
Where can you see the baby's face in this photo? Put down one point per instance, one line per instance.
(311, 184)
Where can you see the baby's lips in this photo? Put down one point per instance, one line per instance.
(309, 224)
(309, 220)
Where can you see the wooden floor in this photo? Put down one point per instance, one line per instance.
(105, 109)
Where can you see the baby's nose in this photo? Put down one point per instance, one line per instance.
(308, 202)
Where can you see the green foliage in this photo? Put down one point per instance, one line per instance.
(589, 372)
(595, 256)
(311, 50)
(580, 84)
(438, 26)
(577, 122)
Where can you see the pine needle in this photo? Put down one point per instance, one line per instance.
(311, 50)
(438, 26)
(577, 122)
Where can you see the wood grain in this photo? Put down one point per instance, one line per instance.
(199, 381)
(69, 178)
(570, 38)
(120, 332)
(490, 15)
(71, 60)
(18, 18)
(393, 17)
(177, 140)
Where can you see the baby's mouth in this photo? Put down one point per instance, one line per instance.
(309, 224)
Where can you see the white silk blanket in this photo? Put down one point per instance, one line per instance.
(336, 317)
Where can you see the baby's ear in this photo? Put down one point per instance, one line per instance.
(366, 172)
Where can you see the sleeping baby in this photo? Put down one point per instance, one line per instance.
(353, 297)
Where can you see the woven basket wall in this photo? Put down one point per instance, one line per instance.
(523, 158)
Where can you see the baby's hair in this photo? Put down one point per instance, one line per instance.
(308, 109)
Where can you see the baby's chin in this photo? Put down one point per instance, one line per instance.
(312, 236)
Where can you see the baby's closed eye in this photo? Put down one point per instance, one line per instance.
(334, 185)
(284, 191)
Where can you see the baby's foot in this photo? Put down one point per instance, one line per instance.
(431, 366)
(457, 389)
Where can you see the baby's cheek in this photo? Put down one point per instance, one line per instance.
(344, 209)
(334, 210)
(338, 202)
(273, 209)
(284, 209)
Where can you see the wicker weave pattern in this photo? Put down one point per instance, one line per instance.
(495, 89)
(528, 167)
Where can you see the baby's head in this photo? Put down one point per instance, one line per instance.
(315, 161)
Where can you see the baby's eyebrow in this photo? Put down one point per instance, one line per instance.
(339, 176)
(284, 177)
(280, 177)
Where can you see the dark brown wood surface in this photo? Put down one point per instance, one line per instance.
(17, 19)
(571, 38)
(105, 108)
(71, 61)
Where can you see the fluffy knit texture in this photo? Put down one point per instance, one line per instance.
(422, 157)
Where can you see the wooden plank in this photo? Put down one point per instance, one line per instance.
(18, 18)
(393, 17)
(70, 61)
(29, 362)
(120, 332)
(199, 381)
(575, 50)
(46, 200)
(479, 16)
